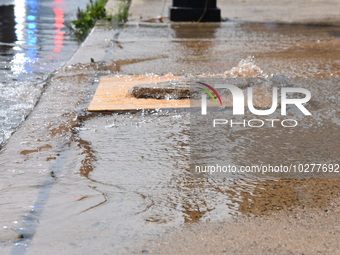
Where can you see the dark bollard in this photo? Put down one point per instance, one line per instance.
(195, 10)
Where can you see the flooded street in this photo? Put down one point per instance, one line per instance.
(79, 182)
(34, 41)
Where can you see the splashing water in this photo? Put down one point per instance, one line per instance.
(246, 68)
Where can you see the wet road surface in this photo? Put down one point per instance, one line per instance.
(81, 182)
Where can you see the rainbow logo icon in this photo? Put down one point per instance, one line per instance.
(210, 94)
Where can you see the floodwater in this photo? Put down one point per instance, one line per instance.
(80, 182)
(34, 41)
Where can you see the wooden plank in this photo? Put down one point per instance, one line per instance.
(112, 94)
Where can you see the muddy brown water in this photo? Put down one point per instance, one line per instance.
(79, 181)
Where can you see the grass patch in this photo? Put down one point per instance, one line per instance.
(122, 14)
(87, 19)
(96, 11)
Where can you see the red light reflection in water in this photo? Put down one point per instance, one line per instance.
(59, 23)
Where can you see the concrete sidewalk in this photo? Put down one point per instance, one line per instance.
(87, 183)
(271, 11)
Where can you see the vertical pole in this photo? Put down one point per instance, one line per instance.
(195, 10)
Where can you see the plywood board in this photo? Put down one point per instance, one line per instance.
(112, 94)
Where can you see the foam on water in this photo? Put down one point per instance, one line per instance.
(246, 68)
